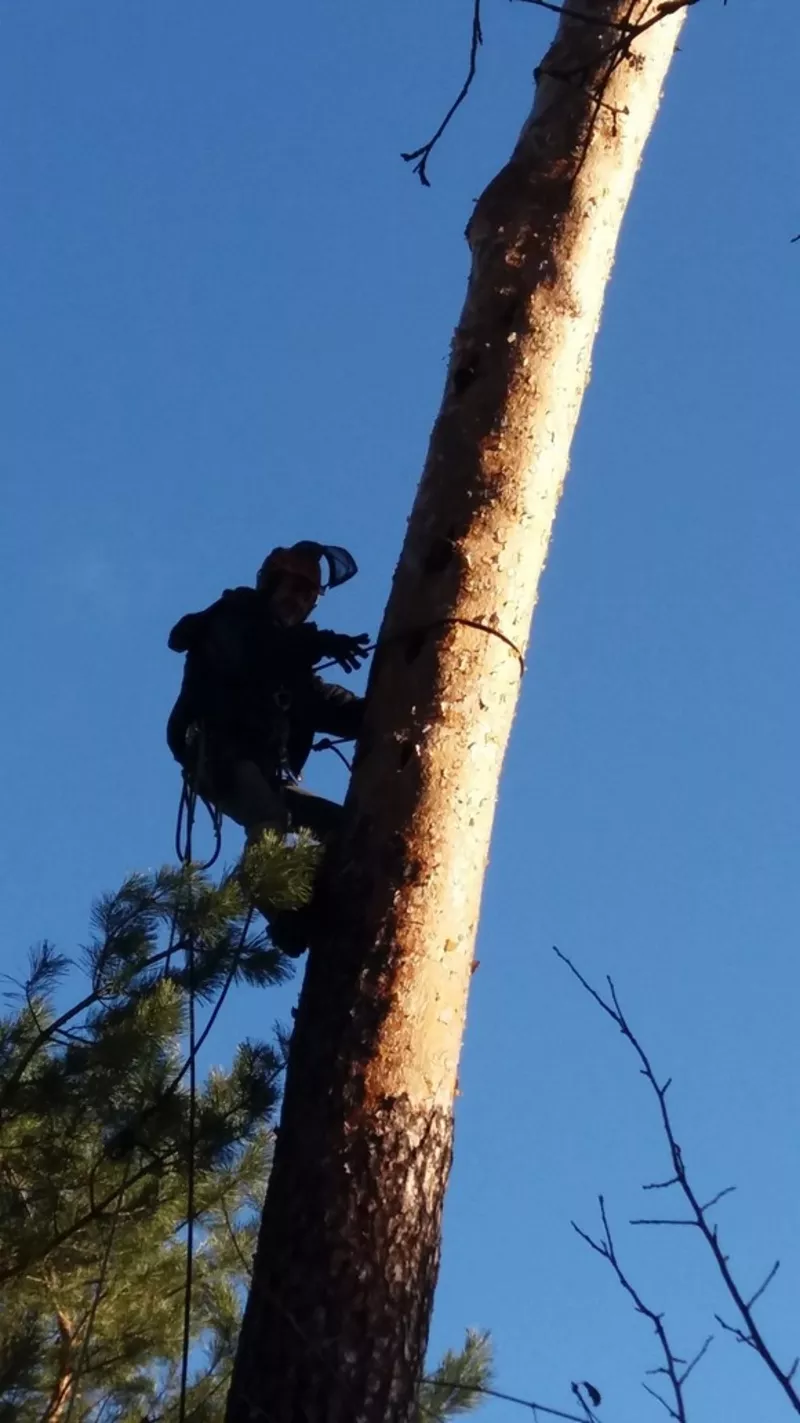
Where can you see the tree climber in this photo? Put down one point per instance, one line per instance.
(251, 701)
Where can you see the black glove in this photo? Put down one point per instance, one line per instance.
(348, 651)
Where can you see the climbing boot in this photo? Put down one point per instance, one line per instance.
(289, 930)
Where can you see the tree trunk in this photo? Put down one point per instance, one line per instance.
(336, 1324)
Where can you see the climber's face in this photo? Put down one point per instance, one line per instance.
(292, 599)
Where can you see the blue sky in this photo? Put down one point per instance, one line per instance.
(226, 307)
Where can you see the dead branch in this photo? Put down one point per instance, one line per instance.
(625, 32)
(423, 154)
(675, 1369)
(747, 1332)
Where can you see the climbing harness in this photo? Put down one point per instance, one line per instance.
(282, 699)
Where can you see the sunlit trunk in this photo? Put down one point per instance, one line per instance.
(337, 1321)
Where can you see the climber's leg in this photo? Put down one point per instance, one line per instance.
(312, 812)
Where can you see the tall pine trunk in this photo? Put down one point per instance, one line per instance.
(337, 1321)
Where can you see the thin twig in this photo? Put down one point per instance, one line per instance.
(234, 1239)
(660, 1220)
(606, 1249)
(768, 1281)
(726, 1191)
(81, 1368)
(734, 1329)
(696, 1360)
(528, 1403)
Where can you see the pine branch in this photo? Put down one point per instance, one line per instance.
(67, 1241)
(454, 1387)
(48, 1033)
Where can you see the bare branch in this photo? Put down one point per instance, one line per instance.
(601, 1003)
(750, 1333)
(423, 154)
(624, 27)
(593, 1244)
(629, 28)
(605, 1248)
(625, 32)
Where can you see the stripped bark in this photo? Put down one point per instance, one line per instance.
(336, 1324)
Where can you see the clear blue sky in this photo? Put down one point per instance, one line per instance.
(226, 307)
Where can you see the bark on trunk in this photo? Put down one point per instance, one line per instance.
(336, 1324)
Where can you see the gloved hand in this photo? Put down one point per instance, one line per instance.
(348, 651)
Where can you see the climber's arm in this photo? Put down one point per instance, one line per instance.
(188, 631)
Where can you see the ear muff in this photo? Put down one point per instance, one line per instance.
(302, 561)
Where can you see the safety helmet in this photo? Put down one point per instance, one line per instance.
(303, 560)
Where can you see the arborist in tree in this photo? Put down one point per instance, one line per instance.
(251, 700)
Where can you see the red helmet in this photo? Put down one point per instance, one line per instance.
(303, 560)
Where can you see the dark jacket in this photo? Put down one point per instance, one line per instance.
(251, 685)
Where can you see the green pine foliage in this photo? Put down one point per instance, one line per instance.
(457, 1385)
(95, 1131)
(281, 873)
(94, 1153)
